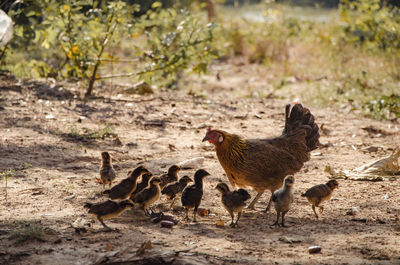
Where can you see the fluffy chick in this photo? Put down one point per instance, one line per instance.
(148, 196)
(126, 187)
(283, 199)
(108, 209)
(171, 176)
(191, 196)
(320, 193)
(175, 188)
(144, 183)
(107, 172)
(233, 201)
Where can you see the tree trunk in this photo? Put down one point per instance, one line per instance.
(211, 10)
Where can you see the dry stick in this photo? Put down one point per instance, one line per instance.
(96, 66)
(6, 186)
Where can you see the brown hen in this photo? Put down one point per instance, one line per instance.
(264, 163)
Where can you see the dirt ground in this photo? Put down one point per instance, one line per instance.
(56, 163)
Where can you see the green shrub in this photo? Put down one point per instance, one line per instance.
(371, 24)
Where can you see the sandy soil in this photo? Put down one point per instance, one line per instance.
(41, 127)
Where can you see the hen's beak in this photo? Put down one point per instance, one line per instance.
(205, 138)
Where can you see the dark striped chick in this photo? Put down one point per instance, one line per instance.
(144, 183)
(149, 195)
(233, 201)
(175, 188)
(320, 193)
(283, 199)
(191, 196)
(171, 176)
(107, 172)
(108, 209)
(126, 187)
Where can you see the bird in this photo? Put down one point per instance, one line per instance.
(108, 209)
(126, 187)
(320, 193)
(107, 172)
(283, 199)
(233, 201)
(191, 195)
(171, 176)
(149, 195)
(264, 163)
(173, 189)
(144, 183)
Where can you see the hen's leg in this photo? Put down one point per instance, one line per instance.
(253, 202)
(269, 203)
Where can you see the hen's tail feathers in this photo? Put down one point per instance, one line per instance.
(300, 117)
(88, 205)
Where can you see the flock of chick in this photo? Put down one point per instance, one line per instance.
(260, 163)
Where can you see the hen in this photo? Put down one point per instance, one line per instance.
(264, 163)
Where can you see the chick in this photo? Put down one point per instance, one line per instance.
(126, 187)
(175, 188)
(107, 172)
(148, 196)
(108, 209)
(283, 199)
(320, 193)
(171, 176)
(233, 201)
(144, 183)
(191, 196)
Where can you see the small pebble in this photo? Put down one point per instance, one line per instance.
(314, 249)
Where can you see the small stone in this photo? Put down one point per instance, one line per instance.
(167, 224)
(314, 249)
(352, 211)
(70, 197)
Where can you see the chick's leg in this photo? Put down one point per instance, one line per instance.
(278, 214)
(232, 216)
(238, 217)
(283, 219)
(313, 208)
(321, 209)
(172, 203)
(194, 213)
(253, 202)
(105, 226)
(187, 213)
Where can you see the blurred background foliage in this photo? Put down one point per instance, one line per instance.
(346, 51)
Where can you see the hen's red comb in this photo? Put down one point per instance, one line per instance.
(208, 129)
